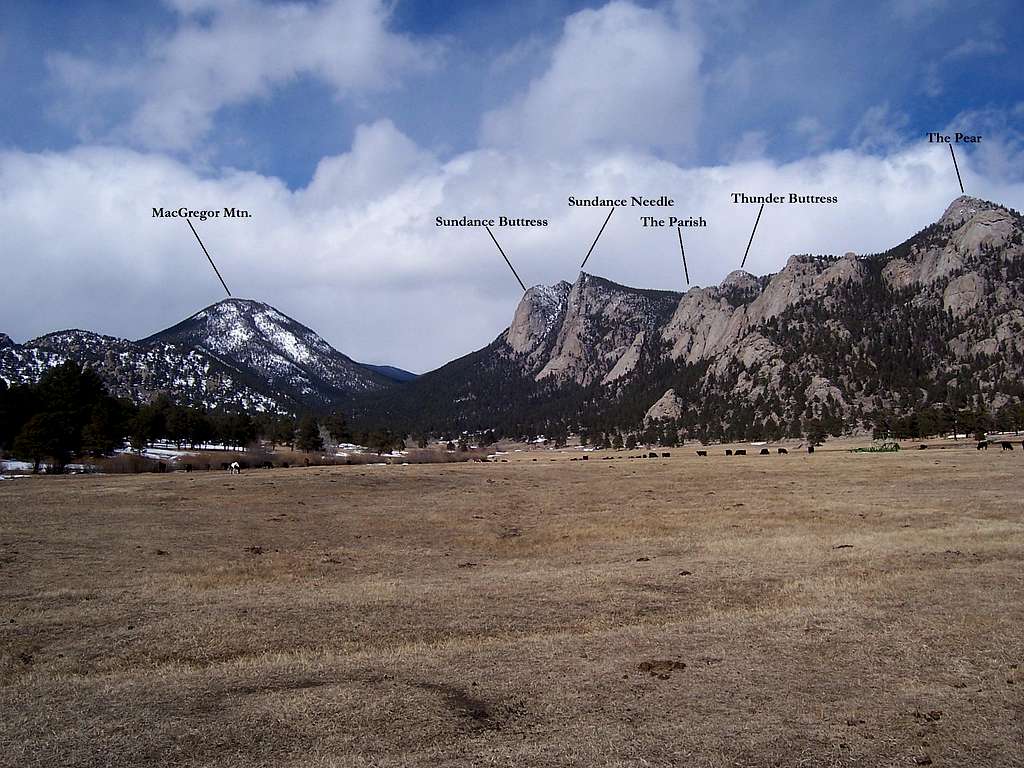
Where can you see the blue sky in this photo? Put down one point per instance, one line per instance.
(833, 61)
(348, 124)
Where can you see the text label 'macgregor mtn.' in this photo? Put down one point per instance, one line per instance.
(937, 319)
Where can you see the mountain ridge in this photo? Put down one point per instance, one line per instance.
(236, 353)
(780, 348)
(937, 319)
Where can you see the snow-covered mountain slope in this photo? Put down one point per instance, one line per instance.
(266, 345)
(237, 354)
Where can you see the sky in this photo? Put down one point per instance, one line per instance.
(346, 126)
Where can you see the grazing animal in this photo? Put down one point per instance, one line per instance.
(982, 444)
(728, 452)
(188, 467)
(921, 447)
(810, 449)
(236, 468)
(702, 453)
(783, 451)
(1007, 445)
(652, 455)
(666, 455)
(765, 451)
(740, 452)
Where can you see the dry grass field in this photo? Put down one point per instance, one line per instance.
(825, 610)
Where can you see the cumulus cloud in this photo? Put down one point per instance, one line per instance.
(620, 76)
(361, 260)
(355, 253)
(227, 53)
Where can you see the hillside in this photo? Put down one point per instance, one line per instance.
(237, 354)
(936, 320)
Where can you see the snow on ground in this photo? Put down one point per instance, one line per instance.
(15, 466)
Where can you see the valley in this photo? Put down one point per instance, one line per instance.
(850, 609)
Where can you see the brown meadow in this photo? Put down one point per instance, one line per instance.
(829, 610)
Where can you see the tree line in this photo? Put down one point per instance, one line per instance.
(69, 413)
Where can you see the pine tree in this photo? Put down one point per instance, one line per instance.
(308, 438)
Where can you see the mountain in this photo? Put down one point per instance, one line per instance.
(936, 320)
(236, 354)
(271, 350)
(391, 372)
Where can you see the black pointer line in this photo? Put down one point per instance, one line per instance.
(505, 257)
(751, 236)
(681, 251)
(208, 256)
(957, 167)
(597, 238)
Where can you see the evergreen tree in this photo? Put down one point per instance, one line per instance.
(42, 437)
(337, 427)
(308, 438)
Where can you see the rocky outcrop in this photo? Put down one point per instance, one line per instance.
(965, 231)
(595, 332)
(538, 311)
(669, 406)
(964, 294)
(603, 330)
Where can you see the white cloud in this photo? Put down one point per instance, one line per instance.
(355, 253)
(224, 54)
(620, 76)
(880, 128)
(360, 259)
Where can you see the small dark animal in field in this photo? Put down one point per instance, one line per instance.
(982, 444)
(652, 455)
(783, 451)
(728, 452)
(284, 465)
(764, 452)
(702, 453)
(584, 458)
(921, 447)
(740, 452)
(188, 467)
(1007, 446)
(160, 467)
(810, 449)
(666, 455)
